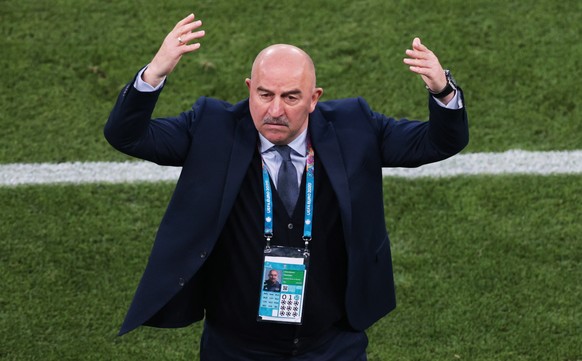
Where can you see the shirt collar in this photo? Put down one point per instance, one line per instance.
(299, 144)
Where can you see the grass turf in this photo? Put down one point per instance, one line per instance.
(64, 62)
(486, 269)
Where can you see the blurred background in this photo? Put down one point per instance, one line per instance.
(486, 267)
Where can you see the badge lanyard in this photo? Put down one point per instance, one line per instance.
(309, 192)
(285, 268)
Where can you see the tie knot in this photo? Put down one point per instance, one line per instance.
(284, 151)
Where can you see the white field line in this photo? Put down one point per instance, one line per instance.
(510, 162)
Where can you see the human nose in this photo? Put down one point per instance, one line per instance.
(276, 108)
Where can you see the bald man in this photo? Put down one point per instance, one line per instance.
(284, 172)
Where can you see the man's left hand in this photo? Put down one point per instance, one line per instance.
(421, 60)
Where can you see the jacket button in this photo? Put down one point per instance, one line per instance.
(203, 255)
(181, 282)
(290, 226)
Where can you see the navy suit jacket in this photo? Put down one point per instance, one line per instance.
(214, 143)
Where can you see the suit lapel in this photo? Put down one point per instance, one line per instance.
(326, 146)
(244, 145)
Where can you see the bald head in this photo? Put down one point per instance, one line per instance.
(287, 57)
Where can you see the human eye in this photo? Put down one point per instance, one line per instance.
(292, 99)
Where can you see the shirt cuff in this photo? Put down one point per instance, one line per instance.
(142, 86)
(455, 103)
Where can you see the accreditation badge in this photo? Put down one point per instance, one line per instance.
(283, 286)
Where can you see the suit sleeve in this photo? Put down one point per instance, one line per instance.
(131, 130)
(411, 143)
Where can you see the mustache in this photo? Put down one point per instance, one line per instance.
(282, 120)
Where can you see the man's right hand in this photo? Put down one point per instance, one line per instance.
(176, 44)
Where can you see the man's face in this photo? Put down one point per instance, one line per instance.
(273, 276)
(281, 96)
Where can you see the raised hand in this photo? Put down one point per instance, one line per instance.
(175, 45)
(421, 60)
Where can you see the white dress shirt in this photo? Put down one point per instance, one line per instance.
(273, 159)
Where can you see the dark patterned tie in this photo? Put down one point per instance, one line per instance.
(287, 186)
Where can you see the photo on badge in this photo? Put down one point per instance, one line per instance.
(272, 281)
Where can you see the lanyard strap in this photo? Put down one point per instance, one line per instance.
(309, 191)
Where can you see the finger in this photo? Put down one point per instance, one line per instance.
(187, 38)
(187, 28)
(417, 54)
(186, 20)
(185, 33)
(188, 48)
(420, 70)
(415, 62)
